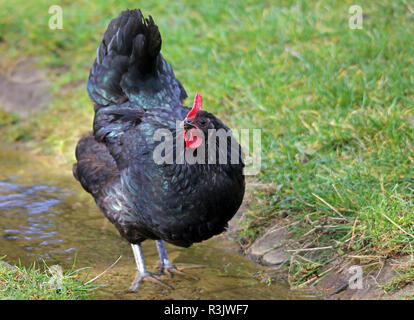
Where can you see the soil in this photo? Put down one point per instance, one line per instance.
(24, 89)
(274, 248)
(338, 285)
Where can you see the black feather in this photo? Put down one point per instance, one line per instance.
(136, 93)
(129, 66)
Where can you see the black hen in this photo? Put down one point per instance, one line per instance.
(135, 93)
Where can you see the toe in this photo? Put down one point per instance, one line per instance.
(174, 270)
(147, 277)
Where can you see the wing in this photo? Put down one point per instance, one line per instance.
(95, 167)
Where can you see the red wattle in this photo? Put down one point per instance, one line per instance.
(194, 141)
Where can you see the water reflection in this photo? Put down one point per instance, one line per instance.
(27, 217)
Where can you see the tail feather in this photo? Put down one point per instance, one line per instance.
(129, 65)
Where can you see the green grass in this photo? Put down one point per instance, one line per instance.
(399, 282)
(404, 276)
(34, 283)
(335, 105)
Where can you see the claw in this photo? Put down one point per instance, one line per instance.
(170, 271)
(168, 268)
(147, 277)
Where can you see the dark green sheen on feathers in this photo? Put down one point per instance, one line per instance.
(135, 92)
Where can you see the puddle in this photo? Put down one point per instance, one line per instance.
(44, 214)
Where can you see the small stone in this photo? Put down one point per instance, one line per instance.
(275, 257)
(272, 239)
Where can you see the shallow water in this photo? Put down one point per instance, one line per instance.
(44, 214)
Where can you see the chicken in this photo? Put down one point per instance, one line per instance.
(136, 94)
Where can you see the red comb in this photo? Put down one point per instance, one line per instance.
(196, 107)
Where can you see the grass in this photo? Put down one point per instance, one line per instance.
(335, 105)
(404, 276)
(399, 282)
(34, 283)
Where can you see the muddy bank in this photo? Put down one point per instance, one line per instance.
(374, 284)
(24, 88)
(346, 277)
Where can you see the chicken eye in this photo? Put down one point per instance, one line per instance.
(203, 122)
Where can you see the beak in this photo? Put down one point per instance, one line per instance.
(187, 124)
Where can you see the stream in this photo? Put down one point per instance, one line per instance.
(46, 215)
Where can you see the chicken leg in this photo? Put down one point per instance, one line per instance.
(143, 274)
(167, 267)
